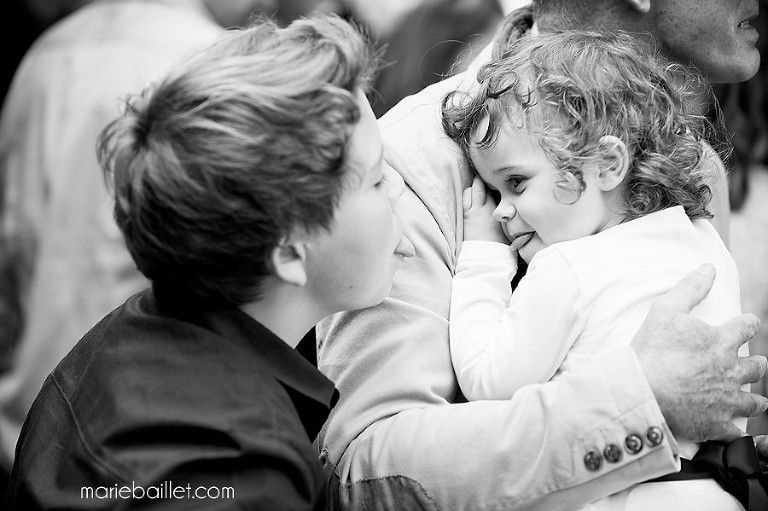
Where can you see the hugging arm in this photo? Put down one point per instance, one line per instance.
(694, 369)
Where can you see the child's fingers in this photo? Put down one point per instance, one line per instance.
(475, 195)
(466, 199)
(478, 192)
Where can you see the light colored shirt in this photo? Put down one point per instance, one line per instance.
(56, 219)
(578, 300)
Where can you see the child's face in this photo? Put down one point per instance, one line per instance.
(351, 267)
(534, 210)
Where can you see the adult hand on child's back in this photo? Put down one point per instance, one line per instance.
(694, 369)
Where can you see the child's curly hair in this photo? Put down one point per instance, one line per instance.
(572, 88)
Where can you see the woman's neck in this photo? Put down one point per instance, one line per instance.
(285, 312)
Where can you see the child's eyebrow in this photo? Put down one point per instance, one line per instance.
(508, 168)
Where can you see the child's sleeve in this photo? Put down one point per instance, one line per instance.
(498, 343)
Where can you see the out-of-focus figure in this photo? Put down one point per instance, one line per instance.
(424, 41)
(435, 40)
(744, 108)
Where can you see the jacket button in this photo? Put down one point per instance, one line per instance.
(654, 436)
(612, 453)
(633, 444)
(593, 460)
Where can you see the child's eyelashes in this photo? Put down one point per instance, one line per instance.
(381, 181)
(516, 183)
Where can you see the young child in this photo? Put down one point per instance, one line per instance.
(251, 190)
(588, 146)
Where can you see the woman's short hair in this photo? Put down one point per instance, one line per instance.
(572, 88)
(235, 149)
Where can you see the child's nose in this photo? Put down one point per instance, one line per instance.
(395, 183)
(504, 212)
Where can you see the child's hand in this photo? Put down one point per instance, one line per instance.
(478, 214)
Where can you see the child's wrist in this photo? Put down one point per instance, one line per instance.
(475, 235)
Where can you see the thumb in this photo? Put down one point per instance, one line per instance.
(478, 192)
(687, 293)
(466, 199)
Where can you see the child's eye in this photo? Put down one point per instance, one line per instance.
(381, 181)
(516, 183)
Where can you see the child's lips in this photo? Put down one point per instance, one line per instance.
(405, 248)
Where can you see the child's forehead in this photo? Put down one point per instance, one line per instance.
(528, 97)
(512, 120)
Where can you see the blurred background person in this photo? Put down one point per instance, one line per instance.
(425, 41)
(27, 19)
(745, 110)
(436, 39)
(63, 263)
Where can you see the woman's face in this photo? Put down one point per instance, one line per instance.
(352, 266)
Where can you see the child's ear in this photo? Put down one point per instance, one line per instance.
(289, 262)
(642, 6)
(611, 175)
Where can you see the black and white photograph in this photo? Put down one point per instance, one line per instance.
(360, 255)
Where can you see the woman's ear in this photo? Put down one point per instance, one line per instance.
(642, 6)
(612, 175)
(289, 262)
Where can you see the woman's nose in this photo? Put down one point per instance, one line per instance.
(504, 212)
(395, 183)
